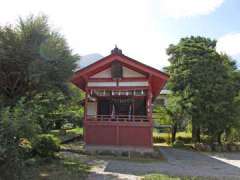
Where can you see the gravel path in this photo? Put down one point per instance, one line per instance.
(179, 163)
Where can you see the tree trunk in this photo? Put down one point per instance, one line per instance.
(174, 132)
(198, 134)
(219, 138)
(195, 132)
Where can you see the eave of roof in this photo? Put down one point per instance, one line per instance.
(85, 69)
(80, 77)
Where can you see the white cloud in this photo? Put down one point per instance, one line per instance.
(229, 44)
(187, 8)
(95, 26)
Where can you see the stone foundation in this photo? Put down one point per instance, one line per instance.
(116, 149)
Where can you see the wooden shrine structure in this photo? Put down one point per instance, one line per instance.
(118, 103)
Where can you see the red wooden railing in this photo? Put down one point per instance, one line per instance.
(118, 118)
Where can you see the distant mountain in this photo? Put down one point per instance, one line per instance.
(88, 59)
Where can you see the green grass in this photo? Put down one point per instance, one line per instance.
(167, 135)
(61, 168)
(77, 131)
(165, 138)
(166, 177)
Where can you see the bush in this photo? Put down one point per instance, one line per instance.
(186, 140)
(67, 126)
(159, 139)
(178, 144)
(46, 145)
(25, 147)
(202, 147)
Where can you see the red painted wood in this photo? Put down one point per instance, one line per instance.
(136, 79)
(85, 114)
(117, 123)
(122, 134)
(135, 136)
(158, 78)
(100, 135)
(120, 88)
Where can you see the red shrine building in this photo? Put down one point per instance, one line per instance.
(118, 102)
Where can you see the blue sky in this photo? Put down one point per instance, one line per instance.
(225, 19)
(143, 29)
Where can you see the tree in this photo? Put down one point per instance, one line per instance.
(54, 108)
(17, 124)
(35, 66)
(33, 59)
(176, 114)
(204, 80)
(170, 114)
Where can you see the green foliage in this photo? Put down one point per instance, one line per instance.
(34, 59)
(25, 147)
(206, 83)
(178, 144)
(171, 114)
(46, 145)
(35, 66)
(68, 134)
(17, 126)
(161, 116)
(18, 122)
(53, 108)
(186, 139)
(233, 135)
(61, 168)
(161, 139)
(166, 177)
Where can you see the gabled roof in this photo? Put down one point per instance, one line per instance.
(157, 78)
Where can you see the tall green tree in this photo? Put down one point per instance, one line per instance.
(33, 59)
(35, 66)
(204, 79)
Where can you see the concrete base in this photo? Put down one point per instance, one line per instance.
(118, 149)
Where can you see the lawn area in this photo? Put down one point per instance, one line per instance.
(166, 177)
(165, 137)
(168, 135)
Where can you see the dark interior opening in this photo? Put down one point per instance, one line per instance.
(140, 107)
(104, 107)
(122, 106)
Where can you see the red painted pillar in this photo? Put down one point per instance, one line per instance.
(149, 109)
(85, 115)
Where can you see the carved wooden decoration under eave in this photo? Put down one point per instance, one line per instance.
(116, 70)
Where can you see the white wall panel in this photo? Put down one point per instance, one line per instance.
(92, 108)
(144, 83)
(102, 84)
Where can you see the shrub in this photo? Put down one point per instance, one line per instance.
(202, 147)
(25, 147)
(178, 144)
(186, 140)
(46, 145)
(159, 139)
(67, 126)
